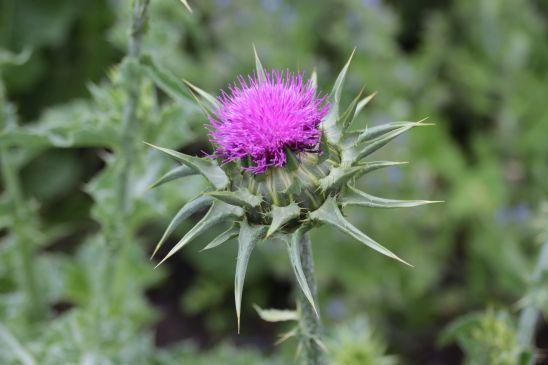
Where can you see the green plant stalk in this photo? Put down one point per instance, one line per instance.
(309, 322)
(531, 314)
(21, 219)
(132, 80)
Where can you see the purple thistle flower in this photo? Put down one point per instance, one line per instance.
(260, 119)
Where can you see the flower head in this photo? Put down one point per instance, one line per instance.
(261, 118)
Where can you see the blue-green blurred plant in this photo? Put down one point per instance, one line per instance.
(488, 338)
(355, 343)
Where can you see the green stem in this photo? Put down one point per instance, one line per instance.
(22, 219)
(309, 323)
(132, 80)
(531, 314)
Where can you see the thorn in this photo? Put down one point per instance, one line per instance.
(154, 252)
(352, 55)
(163, 260)
(420, 122)
(185, 3)
(402, 261)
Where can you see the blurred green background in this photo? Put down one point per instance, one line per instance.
(76, 286)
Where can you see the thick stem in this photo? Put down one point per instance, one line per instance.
(309, 323)
(530, 315)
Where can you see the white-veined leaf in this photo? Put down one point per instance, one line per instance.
(331, 127)
(223, 237)
(218, 213)
(186, 211)
(241, 198)
(282, 215)
(205, 166)
(261, 75)
(329, 213)
(293, 249)
(247, 239)
(174, 174)
(360, 198)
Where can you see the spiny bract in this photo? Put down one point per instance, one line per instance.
(269, 183)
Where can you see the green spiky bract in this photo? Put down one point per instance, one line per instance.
(285, 202)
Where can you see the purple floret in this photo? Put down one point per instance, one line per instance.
(261, 119)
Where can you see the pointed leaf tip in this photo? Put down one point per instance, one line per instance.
(281, 216)
(187, 6)
(204, 166)
(186, 211)
(247, 239)
(218, 213)
(357, 197)
(204, 99)
(261, 74)
(174, 174)
(223, 237)
(329, 213)
(293, 249)
(241, 198)
(364, 102)
(332, 129)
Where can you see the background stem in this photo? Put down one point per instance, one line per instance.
(309, 323)
(530, 315)
(132, 80)
(127, 150)
(22, 221)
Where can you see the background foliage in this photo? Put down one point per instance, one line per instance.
(75, 282)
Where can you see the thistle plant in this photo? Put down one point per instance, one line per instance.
(285, 160)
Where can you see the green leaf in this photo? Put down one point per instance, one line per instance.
(381, 141)
(329, 213)
(330, 125)
(241, 198)
(205, 99)
(276, 315)
(347, 117)
(282, 215)
(218, 213)
(186, 211)
(360, 198)
(362, 104)
(205, 166)
(247, 239)
(337, 177)
(261, 75)
(176, 173)
(223, 237)
(295, 258)
(369, 134)
(367, 167)
(168, 83)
